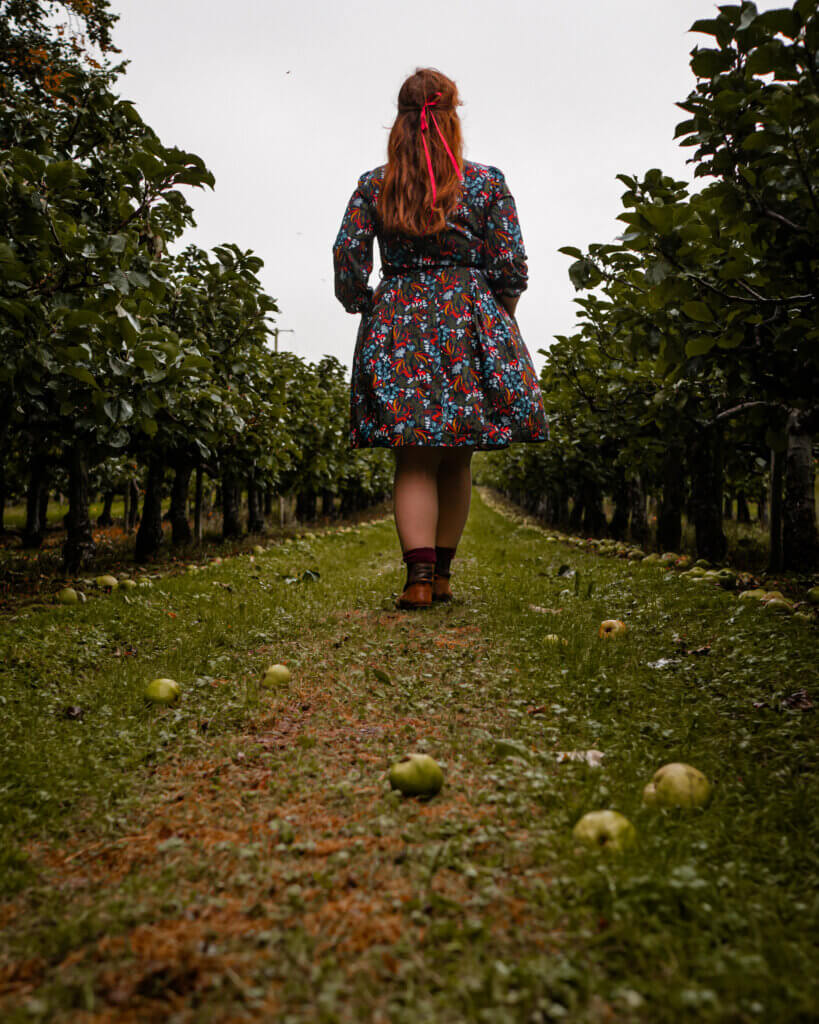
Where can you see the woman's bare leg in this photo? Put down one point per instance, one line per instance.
(454, 481)
(415, 495)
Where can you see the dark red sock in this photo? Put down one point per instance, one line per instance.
(443, 557)
(419, 555)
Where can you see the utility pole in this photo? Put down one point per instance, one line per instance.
(276, 331)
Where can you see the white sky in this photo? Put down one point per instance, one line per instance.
(289, 102)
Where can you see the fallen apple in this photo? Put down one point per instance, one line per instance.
(611, 627)
(416, 775)
(677, 785)
(778, 606)
(605, 830)
(258, 549)
(769, 595)
(754, 594)
(68, 595)
(163, 691)
(277, 675)
(127, 584)
(813, 595)
(107, 581)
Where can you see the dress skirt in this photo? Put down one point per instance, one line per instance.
(441, 362)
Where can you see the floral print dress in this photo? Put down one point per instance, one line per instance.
(438, 360)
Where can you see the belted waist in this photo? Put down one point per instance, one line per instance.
(393, 271)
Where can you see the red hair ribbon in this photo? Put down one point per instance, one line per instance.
(424, 128)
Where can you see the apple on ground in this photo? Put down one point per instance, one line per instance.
(778, 606)
(107, 581)
(677, 785)
(416, 775)
(163, 691)
(68, 595)
(127, 584)
(754, 594)
(258, 549)
(611, 627)
(277, 675)
(813, 595)
(605, 830)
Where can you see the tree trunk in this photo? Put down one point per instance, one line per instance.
(669, 510)
(126, 494)
(133, 505)
(268, 501)
(36, 502)
(576, 514)
(197, 505)
(800, 541)
(2, 499)
(105, 518)
(149, 536)
(619, 520)
(775, 502)
(594, 519)
(78, 549)
(180, 527)
(328, 503)
(305, 506)
(231, 498)
(255, 520)
(637, 505)
(762, 507)
(743, 512)
(706, 492)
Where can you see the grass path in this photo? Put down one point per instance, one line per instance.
(241, 857)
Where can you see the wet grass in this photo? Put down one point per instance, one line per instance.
(242, 857)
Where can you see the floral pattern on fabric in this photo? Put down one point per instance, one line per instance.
(438, 360)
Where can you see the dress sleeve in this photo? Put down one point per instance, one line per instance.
(505, 263)
(353, 254)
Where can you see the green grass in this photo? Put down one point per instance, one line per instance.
(311, 892)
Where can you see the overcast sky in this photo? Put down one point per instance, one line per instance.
(289, 102)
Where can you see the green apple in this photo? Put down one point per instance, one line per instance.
(128, 584)
(770, 594)
(813, 595)
(677, 785)
(107, 581)
(754, 594)
(683, 561)
(416, 775)
(605, 830)
(258, 549)
(68, 595)
(163, 691)
(778, 606)
(276, 675)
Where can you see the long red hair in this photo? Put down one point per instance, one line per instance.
(405, 204)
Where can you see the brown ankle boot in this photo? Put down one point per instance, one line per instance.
(418, 588)
(441, 590)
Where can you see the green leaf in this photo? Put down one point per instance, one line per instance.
(698, 311)
(700, 345)
(81, 374)
(570, 250)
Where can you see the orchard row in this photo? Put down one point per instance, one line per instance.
(123, 367)
(693, 374)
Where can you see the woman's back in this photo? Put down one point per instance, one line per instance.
(482, 232)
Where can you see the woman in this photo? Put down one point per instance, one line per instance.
(440, 368)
